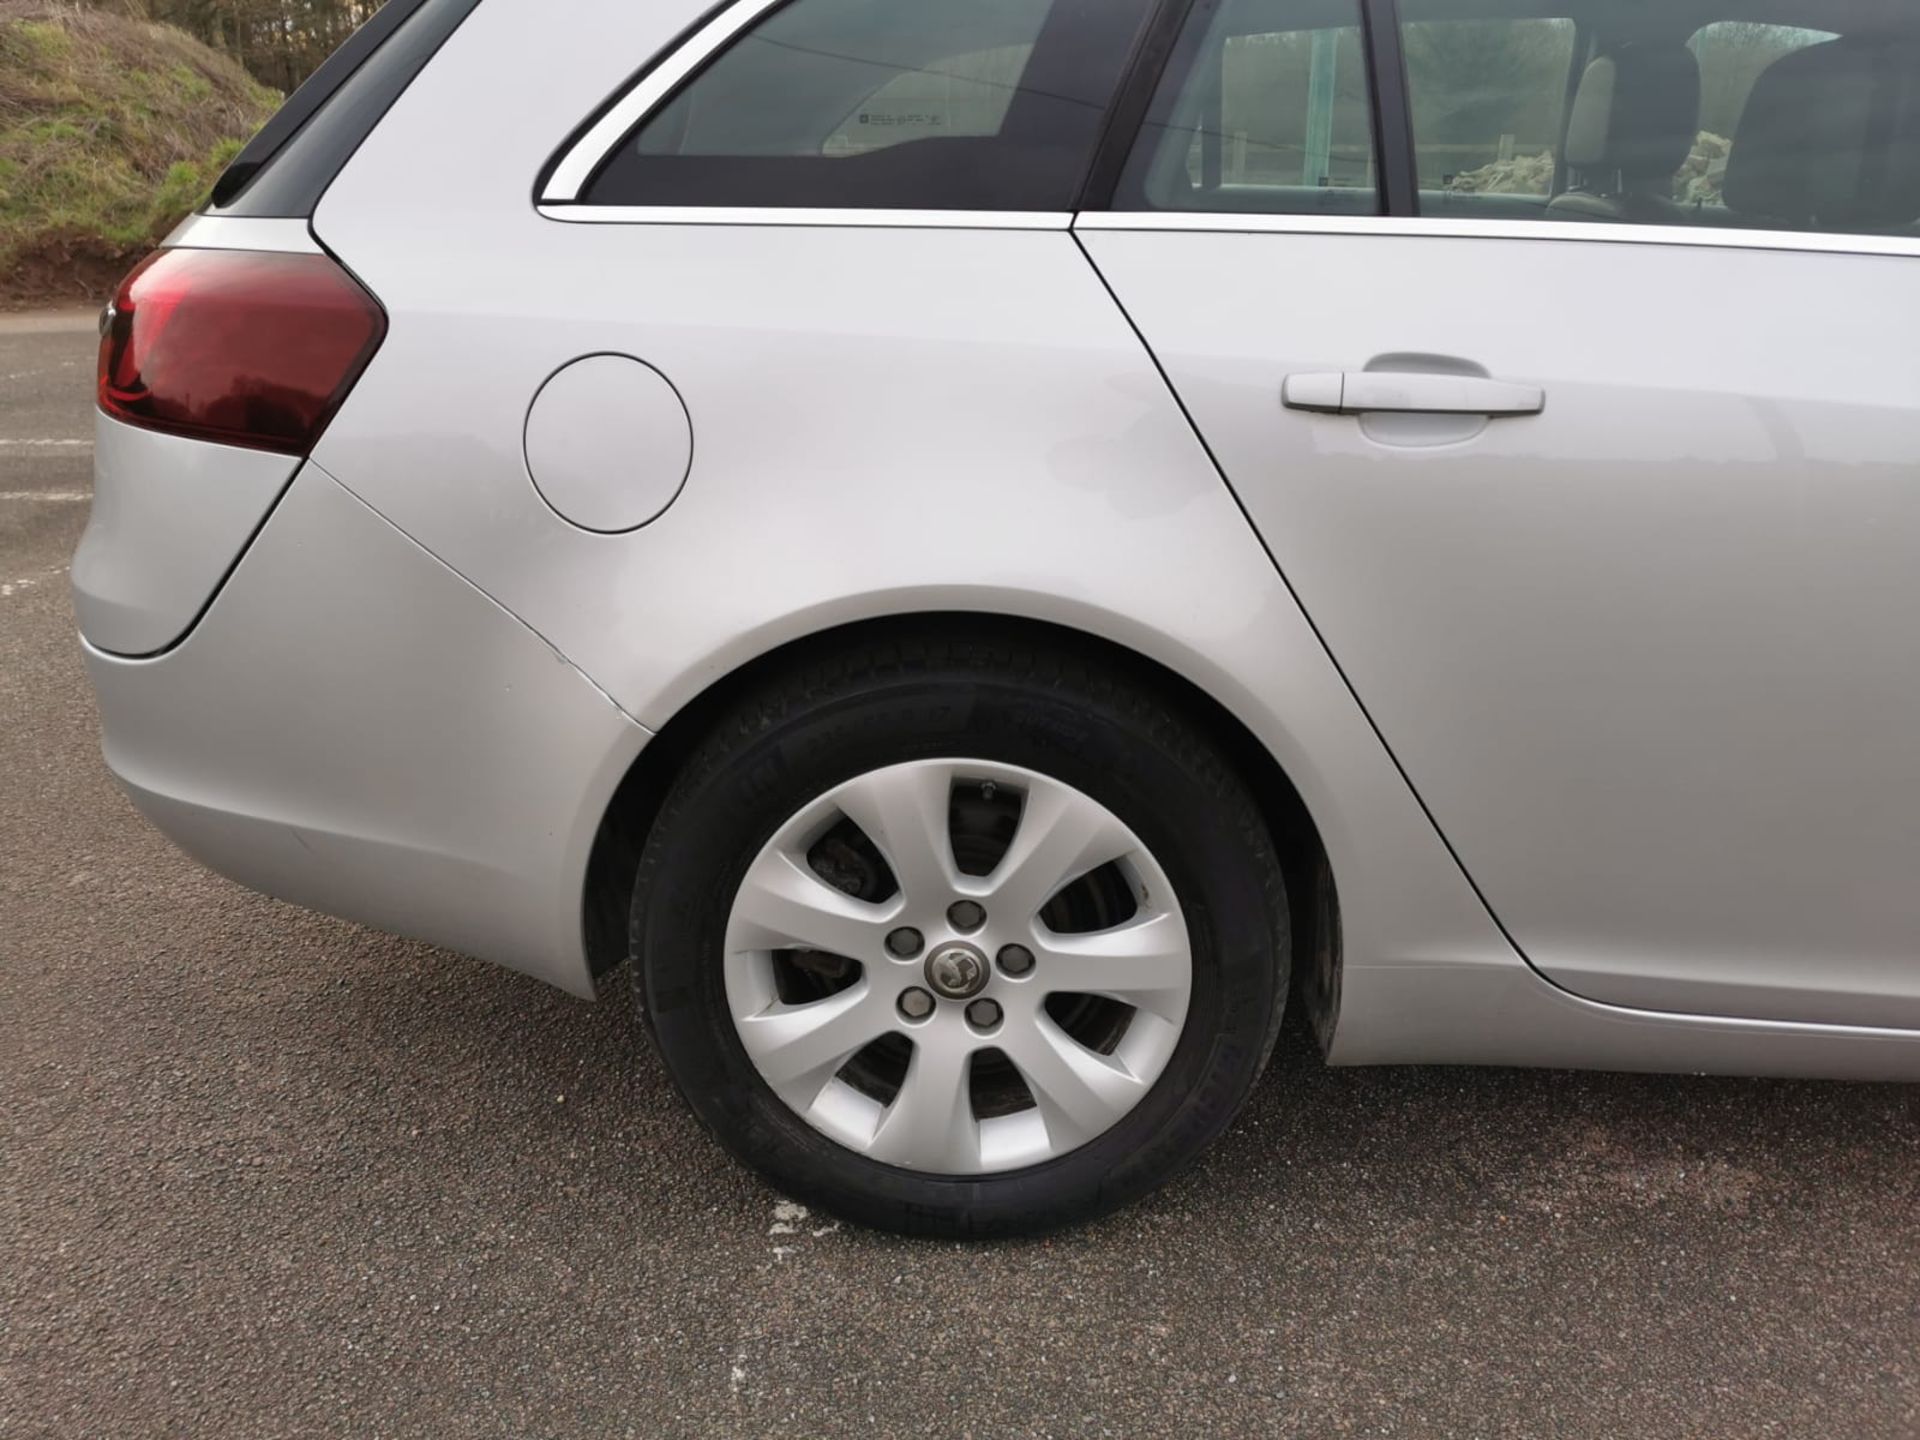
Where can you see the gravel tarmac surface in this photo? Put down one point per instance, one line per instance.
(267, 1174)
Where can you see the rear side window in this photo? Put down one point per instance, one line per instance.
(1489, 100)
(887, 104)
(1642, 119)
(1264, 108)
(1732, 56)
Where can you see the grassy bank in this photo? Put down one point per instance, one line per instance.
(110, 131)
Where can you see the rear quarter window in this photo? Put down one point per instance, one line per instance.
(886, 104)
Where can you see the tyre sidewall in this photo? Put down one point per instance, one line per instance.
(1173, 792)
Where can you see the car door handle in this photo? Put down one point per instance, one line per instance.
(1364, 392)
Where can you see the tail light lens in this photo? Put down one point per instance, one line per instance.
(237, 346)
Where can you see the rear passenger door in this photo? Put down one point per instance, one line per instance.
(1563, 358)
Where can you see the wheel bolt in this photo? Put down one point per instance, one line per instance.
(1016, 960)
(916, 1004)
(964, 915)
(983, 1014)
(905, 942)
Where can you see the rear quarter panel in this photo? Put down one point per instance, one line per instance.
(885, 421)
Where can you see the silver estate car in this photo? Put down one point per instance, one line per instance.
(985, 545)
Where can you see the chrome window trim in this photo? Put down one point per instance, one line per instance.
(793, 216)
(1209, 223)
(1456, 229)
(235, 232)
(583, 157)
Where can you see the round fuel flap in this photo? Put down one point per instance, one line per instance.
(608, 443)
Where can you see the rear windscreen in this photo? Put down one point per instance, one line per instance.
(287, 166)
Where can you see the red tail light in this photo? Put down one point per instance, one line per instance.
(237, 346)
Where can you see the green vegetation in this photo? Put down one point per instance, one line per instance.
(111, 130)
(278, 41)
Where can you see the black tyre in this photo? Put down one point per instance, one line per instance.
(961, 937)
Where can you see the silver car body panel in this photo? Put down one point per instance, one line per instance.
(170, 516)
(1646, 655)
(1440, 1014)
(435, 683)
(356, 729)
(240, 232)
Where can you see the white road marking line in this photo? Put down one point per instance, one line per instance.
(10, 588)
(47, 444)
(47, 370)
(54, 497)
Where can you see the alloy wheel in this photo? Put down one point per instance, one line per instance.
(957, 967)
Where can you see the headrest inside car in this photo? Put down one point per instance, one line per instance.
(1637, 112)
(1831, 139)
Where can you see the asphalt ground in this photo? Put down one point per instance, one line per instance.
(264, 1173)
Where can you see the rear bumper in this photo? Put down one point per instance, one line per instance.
(354, 728)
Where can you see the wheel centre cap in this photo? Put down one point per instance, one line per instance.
(957, 971)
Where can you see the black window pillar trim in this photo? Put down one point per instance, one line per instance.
(286, 168)
(1392, 110)
(1127, 115)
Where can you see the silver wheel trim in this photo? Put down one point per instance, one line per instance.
(1079, 1093)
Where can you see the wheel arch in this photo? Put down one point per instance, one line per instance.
(1312, 896)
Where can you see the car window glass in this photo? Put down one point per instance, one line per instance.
(1489, 101)
(962, 95)
(878, 104)
(1643, 118)
(1264, 107)
(1732, 55)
